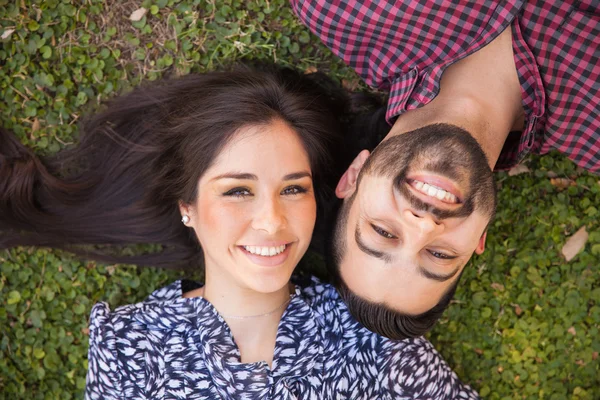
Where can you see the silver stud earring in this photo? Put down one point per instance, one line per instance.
(185, 219)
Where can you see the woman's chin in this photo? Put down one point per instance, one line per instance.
(267, 285)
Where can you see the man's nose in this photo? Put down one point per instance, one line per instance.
(270, 217)
(421, 223)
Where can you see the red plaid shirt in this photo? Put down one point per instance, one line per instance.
(404, 47)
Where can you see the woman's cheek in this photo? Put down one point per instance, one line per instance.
(304, 216)
(216, 215)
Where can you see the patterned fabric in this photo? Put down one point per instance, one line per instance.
(404, 47)
(170, 347)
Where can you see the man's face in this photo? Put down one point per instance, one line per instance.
(418, 211)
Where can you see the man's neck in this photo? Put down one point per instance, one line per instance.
(480, 93)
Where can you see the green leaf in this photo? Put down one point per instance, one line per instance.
(13, 297)
(46, 52)
(33, 26)
(81, 99)
(79, 309)
(39, 353)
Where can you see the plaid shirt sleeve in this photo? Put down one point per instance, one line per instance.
(563, 36)
(404, 47)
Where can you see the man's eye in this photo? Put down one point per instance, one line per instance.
(442, 256)
(238, 192)
(293, 190)
(382, 232)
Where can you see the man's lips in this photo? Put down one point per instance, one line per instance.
(435, 190)
(438, 182)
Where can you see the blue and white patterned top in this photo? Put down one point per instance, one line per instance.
(170, 347)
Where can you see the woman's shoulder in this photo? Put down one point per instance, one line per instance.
(157, 305)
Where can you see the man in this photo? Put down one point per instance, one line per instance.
(473, 86)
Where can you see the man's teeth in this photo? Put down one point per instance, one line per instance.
(434, 191)
(265, 251)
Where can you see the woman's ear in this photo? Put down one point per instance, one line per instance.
(186, 211)
(347, 183)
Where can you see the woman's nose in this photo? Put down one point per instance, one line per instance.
(270, 217)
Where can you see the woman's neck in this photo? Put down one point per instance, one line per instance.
(232, 299)
(253, 317)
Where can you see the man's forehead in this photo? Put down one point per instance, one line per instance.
(393, 286)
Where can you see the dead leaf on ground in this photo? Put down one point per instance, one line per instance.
(500, 369)
(35, 126)
(6, 34)
(518, 309)
(350, 84)
(138, 14)
(575, 244)
(562, 183)
(479, 351)
(552, 174)
(497, 286)
(581, 363)
(572, 331)
(310, 70)
(518, 169)
(595, 355)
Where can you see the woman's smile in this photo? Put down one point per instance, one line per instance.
(267, 256)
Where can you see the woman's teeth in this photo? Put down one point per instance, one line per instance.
(436, 192)
(265, 251)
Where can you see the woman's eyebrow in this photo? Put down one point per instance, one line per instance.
(297, 175)
(252, 177)
(241, 176)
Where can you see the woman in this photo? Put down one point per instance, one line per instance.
(224, 167)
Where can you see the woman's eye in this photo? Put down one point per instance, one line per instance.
(238, 192)
(383, 232)
(441, 256)
(293, 190)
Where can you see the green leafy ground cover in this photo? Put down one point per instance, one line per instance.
(524, 323)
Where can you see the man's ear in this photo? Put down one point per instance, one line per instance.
(347, 183)
(481, 245)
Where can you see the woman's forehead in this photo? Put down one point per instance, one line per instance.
(270, 147)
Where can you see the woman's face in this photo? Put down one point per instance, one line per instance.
(256, 210)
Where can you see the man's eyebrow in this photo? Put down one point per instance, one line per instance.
(367, 250)
(437, 277)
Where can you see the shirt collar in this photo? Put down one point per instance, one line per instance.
(297, 349)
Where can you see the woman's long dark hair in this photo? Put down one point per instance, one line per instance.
(143, 154)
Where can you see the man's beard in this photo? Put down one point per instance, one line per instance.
(442, 149)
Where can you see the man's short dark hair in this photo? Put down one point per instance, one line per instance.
(383, 320)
